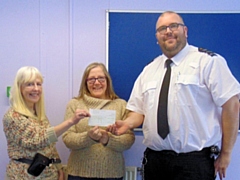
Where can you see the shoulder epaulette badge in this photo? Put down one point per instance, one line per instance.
(206, 51)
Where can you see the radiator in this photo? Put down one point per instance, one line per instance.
(130, 173)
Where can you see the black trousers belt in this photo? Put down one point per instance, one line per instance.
(29, 161)
(203, 152)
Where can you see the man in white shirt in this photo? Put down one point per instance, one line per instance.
(202, 110)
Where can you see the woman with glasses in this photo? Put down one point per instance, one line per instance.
(28, 131)
(95, 152)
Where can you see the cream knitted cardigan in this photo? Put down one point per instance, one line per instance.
(89, 158)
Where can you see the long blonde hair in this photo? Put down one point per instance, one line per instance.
(83, 86)
(25, 75)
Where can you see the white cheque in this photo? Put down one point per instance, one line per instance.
(101, 117)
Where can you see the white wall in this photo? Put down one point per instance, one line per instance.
(61, 37)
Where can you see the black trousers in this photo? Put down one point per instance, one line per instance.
(168, 165)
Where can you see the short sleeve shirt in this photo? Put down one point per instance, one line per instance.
(200, 84)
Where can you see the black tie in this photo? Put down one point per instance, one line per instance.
(163, 128)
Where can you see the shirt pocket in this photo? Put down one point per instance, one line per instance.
(187, 89)
(149, 93)
(188, 80)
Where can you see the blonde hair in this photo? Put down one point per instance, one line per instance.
(25, 75)
(83, 86)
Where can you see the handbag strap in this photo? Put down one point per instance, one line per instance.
(24, 160)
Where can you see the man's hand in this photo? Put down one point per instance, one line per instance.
(230, 124)
(122, 126)
(221, 164)
(119, 128)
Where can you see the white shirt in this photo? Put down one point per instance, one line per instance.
(200, 84)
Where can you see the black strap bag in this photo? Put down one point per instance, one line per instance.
(38, 164)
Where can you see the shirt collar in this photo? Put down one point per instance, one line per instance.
(179, 57)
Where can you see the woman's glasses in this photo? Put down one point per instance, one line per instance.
(93, 80)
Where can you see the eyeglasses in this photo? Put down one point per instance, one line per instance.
(93, 80)
(172, 27)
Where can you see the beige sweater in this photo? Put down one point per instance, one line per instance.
(89, 158)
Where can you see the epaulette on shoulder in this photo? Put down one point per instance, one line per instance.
(206, 51)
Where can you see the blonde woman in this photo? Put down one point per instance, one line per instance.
(28, 131)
